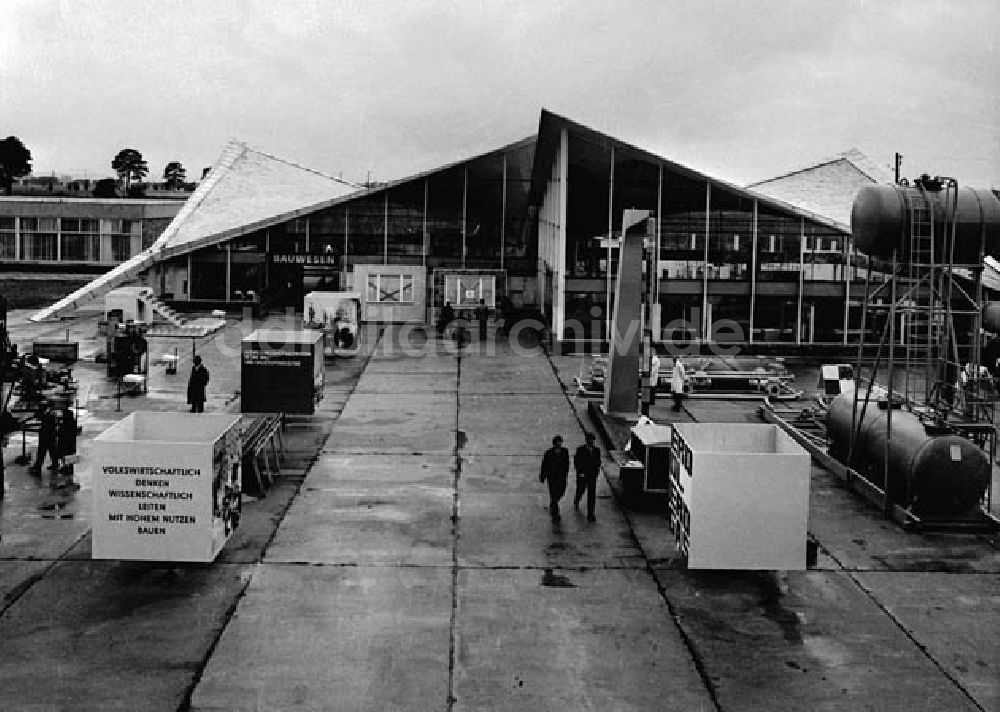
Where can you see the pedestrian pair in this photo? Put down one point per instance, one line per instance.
(555, 470)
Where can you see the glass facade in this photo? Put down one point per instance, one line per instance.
(730, 265)
(467, 218)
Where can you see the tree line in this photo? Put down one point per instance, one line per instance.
(129, 165)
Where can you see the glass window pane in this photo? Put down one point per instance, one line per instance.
(121, 249)
(7, 249)
(85, 248)
(38, 246)
(406, 217)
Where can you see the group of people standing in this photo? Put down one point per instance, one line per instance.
(56, 439)
(447, 315)
(57, 429)
(555, 472)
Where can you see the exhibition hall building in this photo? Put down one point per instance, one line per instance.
(532, 226)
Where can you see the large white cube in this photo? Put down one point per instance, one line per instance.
(166, 486)
(739, 496)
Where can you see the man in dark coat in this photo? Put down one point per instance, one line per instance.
(196, 386)
(46, 439)
(555, 468)
(65, 447)
(483, 317)
(587, 463)
(445, 317)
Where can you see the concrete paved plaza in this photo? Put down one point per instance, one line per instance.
(406, 561)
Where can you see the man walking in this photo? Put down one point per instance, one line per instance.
(196, 386)
(555, 469)
(587, 463)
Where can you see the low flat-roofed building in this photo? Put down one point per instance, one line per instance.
(78, 232)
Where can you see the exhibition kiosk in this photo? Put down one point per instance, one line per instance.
(739, 496)
(166, 486)
(337, 314)
(126, 304)
(282, 371)
(643, 465)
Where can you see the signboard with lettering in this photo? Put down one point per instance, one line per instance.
(166, 486)
(305, 258)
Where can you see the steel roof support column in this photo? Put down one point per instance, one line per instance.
(607, 265)
(802, 273)
(654, 277)
(753, 271)
(705, 326)
(465, 209)
(559, 275)
(347, 230)
(848, 250)
(503, 217)
(424, 237)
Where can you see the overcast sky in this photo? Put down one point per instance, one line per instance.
(741, 90)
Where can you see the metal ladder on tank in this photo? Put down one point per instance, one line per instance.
(922, 332)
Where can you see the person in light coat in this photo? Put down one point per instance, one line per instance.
(654, 376)
(677, 382)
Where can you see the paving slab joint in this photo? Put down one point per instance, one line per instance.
(15, 594)
(185, 705)
(231, 611)
(920, 646)
(453, 622)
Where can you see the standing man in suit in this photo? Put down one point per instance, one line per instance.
(196, 386)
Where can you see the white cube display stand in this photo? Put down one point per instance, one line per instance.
(166, 486)
(128, 301)
(739, 496)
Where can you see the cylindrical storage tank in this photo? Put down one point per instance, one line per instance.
(880, 221)
(991, 317)
(938, 475)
